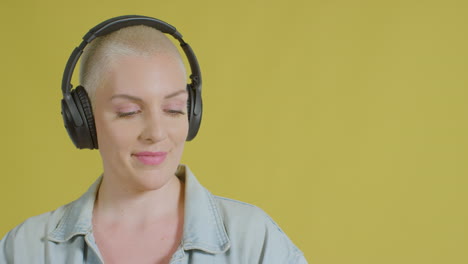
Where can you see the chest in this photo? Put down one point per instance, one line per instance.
(151, 244)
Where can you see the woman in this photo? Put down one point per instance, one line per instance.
(145, 208)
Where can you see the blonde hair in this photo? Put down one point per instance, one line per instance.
(99, 55)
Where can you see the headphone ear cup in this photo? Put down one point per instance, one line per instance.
(189, 110)
(88, 136)
(71, 118)
(194, 118)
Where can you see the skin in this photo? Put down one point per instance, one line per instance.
(141, 106)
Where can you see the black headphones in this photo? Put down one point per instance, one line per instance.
(76, 107)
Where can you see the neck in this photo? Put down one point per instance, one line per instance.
(117, 204)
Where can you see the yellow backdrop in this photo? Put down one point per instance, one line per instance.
(346, 121)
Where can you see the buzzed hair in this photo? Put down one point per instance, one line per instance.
(102, 52)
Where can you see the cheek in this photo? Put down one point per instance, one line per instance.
(113, 136)
(179, 132)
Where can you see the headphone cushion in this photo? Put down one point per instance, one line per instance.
(87, 109)
(189, 103)
(194, 119)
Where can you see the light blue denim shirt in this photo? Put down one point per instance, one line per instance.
(216, 230)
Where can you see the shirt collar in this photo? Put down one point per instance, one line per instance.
(77, 218)
(203, 224)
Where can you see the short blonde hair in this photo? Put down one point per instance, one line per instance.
(99, 55)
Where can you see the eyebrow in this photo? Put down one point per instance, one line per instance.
(134, 98)
(174, 94)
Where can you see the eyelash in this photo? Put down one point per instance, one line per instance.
(129, 114)
(175, 112)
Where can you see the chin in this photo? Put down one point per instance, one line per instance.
(153, 179)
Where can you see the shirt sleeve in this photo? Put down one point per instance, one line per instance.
(301, 260)
(254, 236)
(266, 241)
(6, 248)
(278, 248)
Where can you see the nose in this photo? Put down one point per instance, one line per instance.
(153, 129)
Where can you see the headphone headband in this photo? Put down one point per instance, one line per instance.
(117, 23)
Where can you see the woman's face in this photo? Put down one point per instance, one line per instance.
(141, 120)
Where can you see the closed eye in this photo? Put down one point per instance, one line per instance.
(175, 112)
(128, 114)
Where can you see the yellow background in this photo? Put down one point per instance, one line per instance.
(346, 121)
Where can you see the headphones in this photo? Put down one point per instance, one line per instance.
(76, 107)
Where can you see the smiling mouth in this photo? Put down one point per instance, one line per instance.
(150, 158)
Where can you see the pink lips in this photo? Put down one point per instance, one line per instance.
(151, 158)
